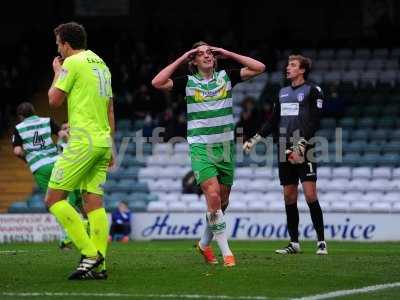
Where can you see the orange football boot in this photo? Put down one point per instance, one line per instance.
(229, 261)
(208, 254)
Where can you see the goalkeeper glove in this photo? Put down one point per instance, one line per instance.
(296, 154)
(248, 145)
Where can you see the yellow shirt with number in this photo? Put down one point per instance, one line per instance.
(86, 80)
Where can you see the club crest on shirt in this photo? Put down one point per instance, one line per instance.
(300, 97)
(58, 174)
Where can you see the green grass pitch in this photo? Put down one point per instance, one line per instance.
(174, 270)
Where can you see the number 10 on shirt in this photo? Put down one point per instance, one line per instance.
(104, 78)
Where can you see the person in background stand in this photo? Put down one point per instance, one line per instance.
(121, 223)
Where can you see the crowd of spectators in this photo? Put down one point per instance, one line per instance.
(133, 62)
(16, 81)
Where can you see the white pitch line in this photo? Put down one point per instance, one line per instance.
(161, 296)
(330, 295)
(340, 293)
(21, 251)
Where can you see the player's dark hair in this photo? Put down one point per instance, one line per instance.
(305, 63)
(124, 202)
(73, 33)
(198, 44)
(25, 110)
(192, 68)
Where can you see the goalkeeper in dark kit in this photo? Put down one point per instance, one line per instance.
(295, 119)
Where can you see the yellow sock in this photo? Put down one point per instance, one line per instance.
(71, 221)
(98, 225)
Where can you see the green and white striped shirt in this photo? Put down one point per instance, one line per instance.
(34, 135)
(209, 106)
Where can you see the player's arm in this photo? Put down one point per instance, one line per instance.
(111, 119)
(17, 142)
(272, 125)
(162, 81)
(316, 104)
(266, 129)
(56, 95)
(252, 67)
(19, 152)
(111, 122)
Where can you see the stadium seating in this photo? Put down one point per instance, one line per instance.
(365, 180)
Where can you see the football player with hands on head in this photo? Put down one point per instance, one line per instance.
(296, 116)
(208, 94)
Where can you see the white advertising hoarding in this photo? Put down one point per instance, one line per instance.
(241, 226)
(269, 226)
(28, 228)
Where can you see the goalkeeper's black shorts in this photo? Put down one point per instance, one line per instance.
(291, 174)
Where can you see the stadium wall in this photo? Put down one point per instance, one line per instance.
(242, 226)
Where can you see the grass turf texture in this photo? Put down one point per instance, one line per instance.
(173, 267)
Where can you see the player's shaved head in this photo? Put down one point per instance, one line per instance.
(25, 110)
(72, 33)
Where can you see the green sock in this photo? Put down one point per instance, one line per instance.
(98, 224)
(71, 221)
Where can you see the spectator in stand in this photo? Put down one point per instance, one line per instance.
(148, 126)
(266, 111)
(174, 122)
(121, 223)
(335, 105)
(249, 118)
(142, 102)
(181, 125)
(166, 120)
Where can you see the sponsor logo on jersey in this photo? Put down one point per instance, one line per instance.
(201, 95)
(209, 93)
(289, 109)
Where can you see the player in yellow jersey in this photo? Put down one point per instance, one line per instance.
(83, 79)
